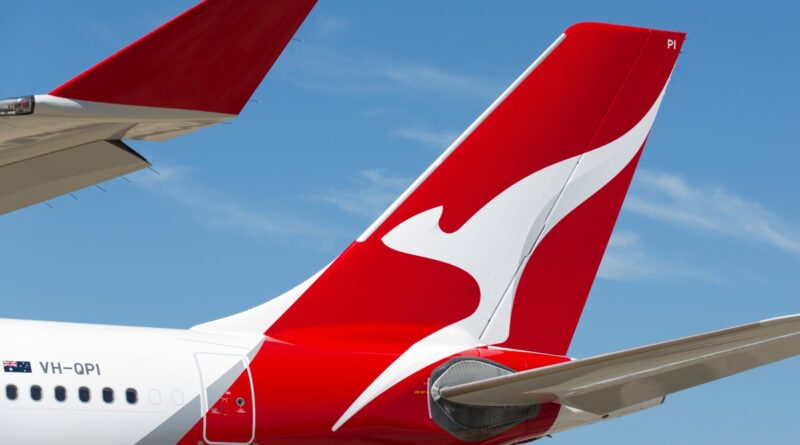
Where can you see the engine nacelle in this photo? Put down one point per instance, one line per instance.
(472, 423)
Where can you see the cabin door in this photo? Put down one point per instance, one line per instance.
(227, 398)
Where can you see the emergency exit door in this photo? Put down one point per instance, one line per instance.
(227, 398)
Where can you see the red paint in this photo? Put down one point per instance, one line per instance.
(551, 116)
(227, 421)
(557, 279)
(210, 58)
(595, 85)
(553, 289)
(302, 391)
(365, 293)
(373, 303)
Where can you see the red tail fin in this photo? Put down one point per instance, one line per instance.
(503, 235)
(498, 242)
(210, 58)
(554, 284)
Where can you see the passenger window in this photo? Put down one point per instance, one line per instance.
(155, 397)
(83, 394)
(177, 397)
(131, 396)
(61, 393)
(36, 392)
(11, 392)
(108, 395)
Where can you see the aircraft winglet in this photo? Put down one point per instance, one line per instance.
(197, 70)
(210, 58)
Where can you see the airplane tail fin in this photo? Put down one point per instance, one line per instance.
(210, 58)
(499, 241)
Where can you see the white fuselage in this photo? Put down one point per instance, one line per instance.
(173, 373)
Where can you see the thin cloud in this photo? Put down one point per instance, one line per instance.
(437, 138)
(627, 259)
(431, 79)
(373, 112)
(669, 198)
(319, 68)
(330, 24)
(373, 192)
(214, 210)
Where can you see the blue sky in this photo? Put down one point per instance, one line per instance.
(709, 236)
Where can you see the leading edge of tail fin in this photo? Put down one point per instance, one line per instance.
(210, 58)
(499, 241)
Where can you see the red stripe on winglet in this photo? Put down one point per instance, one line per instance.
(210, 58)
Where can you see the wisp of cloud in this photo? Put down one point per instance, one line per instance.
(669, 198)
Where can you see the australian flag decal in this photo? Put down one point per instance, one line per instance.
(15, 366)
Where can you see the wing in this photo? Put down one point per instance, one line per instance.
(196, 70)
(620, 380)
(42, 177)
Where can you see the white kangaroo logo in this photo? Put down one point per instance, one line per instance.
(493, 247)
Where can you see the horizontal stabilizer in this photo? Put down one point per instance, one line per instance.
(44, 177)
(610, 382)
